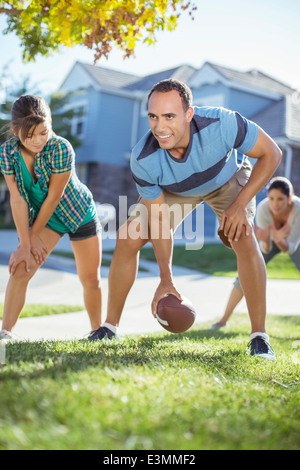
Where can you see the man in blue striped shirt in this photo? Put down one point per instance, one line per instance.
(191, 155)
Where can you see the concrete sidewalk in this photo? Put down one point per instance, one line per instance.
(59, 284)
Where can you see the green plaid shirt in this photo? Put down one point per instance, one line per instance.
(56, 157)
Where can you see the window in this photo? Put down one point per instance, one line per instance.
(78, 122)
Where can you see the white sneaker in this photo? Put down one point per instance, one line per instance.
(5, 335)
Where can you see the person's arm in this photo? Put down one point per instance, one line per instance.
(280, 237)
(19, 210)
(234, 220)
(264, 238)
(58, 183)
(293, 238)
(161, 237)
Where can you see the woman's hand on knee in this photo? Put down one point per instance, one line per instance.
(22, 254)
(38, 249)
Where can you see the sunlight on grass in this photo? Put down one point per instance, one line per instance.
(198, 390)
(37, 310)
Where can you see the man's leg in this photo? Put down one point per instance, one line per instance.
(251, 265)
(252, 276)
(124, 265)
(123, 272)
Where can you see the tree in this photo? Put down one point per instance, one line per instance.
(62, 116)
(43, 26)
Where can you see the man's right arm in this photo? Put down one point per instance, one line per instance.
(161, 235)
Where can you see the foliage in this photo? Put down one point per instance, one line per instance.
(62, 114)
(199, 390)
(43, 26)
(13, 90)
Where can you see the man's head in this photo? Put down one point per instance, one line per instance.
(170, 113)
(170, 84)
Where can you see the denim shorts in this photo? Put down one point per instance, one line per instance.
(89, 230)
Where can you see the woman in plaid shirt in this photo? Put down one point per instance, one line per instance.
(47, 200)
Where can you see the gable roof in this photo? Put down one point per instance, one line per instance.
(129, 82)
(113, 78)
(105, 77)
(253, 78)
(183, 73)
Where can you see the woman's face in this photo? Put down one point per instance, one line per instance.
(278, 202)
(37, 138)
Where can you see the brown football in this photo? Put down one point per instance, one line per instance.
(174, 315)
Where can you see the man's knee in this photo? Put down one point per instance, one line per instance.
(246, 243)
(131, 238)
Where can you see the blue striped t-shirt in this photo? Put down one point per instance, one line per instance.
(219, 140)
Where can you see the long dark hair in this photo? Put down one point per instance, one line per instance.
(283, 184)
(27, 112)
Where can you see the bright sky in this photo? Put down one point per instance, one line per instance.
(241, 34)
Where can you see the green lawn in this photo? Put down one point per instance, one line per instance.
(214, 259)
(37, 310)
(218, 260)
(156, 392)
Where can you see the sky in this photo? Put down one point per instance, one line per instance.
(239, 34)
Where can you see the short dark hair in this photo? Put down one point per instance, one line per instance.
(283, 184)
(164, 86)
(29, 111)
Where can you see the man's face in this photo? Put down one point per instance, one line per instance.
(169, 122)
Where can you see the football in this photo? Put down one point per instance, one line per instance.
(174, 315)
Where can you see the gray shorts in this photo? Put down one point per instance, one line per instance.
(91, 229)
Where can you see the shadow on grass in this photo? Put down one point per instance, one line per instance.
(196, 348)
(57, 358)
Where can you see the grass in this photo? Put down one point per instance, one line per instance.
(37, 310)
(156, 392)
(217, 260)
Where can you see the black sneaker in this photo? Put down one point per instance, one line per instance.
(102, 333)
(259, 347)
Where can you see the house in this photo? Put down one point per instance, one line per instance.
(113, 118)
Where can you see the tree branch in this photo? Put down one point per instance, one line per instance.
(11, 11)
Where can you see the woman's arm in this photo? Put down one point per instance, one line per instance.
(57, 185)
(280, 237)
(264, 238)
(19, 210)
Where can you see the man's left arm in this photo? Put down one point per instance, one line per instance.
(268, 154)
